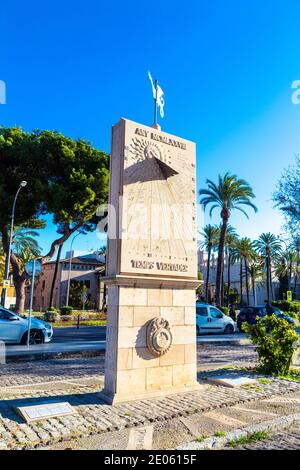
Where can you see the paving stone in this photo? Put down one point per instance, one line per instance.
(79, 380)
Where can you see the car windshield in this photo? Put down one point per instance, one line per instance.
(201, 311)
(6, 314)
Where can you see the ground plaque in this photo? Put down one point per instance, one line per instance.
(151, 265)
(232, 382)
(44, 411)
(140, 438)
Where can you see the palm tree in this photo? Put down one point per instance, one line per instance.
(269, 247)
(282, 273)
(229, 194)
(230, 243)
(26, 247)
(285, 268)
(256, 273)
(245, 251)
(210, 236)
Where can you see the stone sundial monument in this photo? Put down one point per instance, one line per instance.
(151, 265)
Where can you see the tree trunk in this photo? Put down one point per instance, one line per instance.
(228, 278)
(290, 274)
(220, 265)
(207, 273)
(241, 281)
(253, 284)
(223, 283)
(296, 273)
(268, 275)
(19, 277)
(247, 286)
(19, 284)
(55, 275)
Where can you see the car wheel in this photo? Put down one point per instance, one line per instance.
(198, 330)
(36, 337)
(229, 329)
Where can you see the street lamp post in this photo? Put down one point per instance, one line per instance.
(7, 262)
(69, 271)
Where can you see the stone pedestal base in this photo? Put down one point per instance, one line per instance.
(131, 370)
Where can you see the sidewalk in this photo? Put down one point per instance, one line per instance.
(177, 419)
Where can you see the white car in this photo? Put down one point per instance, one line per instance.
(210, 319)
(14, 329)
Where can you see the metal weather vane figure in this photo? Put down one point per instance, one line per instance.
(158, 96)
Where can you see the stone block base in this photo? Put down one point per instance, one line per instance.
(120, 398)
(132, 371)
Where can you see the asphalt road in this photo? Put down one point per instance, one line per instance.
(98, 333)
(84, 333)
(69, 340)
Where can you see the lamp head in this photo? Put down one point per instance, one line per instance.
(23, 184)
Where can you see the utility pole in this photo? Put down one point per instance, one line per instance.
(7, 261)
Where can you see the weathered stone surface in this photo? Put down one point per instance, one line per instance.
(152, 276)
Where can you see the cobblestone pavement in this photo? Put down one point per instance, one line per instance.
(79, 380)
(288, 439)
(20, 373)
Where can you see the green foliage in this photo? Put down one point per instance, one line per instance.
(294, 374)
(51, 316)
(67, 310)
(76, 290)
(228, 194)
(288, 306)
(53, 309)
(276, 341)
(210, 237)
(254, 437)
(225, 310)
(234, 296)
(66, 178)
(287, 196)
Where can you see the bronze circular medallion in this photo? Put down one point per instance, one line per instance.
(159, 336)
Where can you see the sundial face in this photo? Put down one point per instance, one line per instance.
(158, 211)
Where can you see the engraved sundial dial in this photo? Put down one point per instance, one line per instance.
(159, 193)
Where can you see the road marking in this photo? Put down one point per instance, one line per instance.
(224, 419)
(267, 413)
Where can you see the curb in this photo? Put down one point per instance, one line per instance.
(212, 443)
(55, 355)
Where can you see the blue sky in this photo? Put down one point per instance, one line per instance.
(226, 68)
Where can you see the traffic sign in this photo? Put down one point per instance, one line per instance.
(29, 267)
(6, 283)
(83, 297)
(289, 295)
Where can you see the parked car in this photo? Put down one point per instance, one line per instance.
(14, 329)
(251, 315)
(210, 319)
